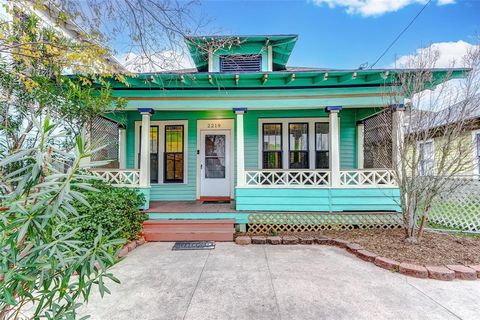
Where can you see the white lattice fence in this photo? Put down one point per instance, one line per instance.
(458, 208)
(266, 223)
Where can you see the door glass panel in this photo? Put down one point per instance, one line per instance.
(215, 156)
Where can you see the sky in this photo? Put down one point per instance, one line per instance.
(348, 33)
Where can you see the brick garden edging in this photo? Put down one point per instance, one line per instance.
(130, 246)
(444, 272)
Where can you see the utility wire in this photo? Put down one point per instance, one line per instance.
(400, 34)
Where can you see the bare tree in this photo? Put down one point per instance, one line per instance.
(439, 113)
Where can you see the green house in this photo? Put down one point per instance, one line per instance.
(244, 137)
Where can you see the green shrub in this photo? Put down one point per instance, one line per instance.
(112, 208)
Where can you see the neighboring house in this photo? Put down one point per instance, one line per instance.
(430, 147)
(244, 127)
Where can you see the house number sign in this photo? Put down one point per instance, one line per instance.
(214, 125)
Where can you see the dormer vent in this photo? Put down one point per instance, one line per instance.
(241, 62)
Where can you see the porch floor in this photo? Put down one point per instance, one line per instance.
(190, 206)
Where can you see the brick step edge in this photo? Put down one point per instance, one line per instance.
(444, 272)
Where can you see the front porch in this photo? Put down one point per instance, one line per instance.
(243, 171)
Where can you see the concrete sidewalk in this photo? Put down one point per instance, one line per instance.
(273, 282)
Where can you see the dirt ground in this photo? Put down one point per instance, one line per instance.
(435, 248)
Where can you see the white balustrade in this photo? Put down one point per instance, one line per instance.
(367, 178)
(290, 178)
(319, 178)
(119, 177)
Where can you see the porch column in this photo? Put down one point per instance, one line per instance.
(334, 145)
(360, 150)
(145, 147)
(397, 135)
(122, 147)
(240, 146)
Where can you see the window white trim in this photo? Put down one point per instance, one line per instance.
(161, 147)
(285, 146)
(434, 168)
(476, 163)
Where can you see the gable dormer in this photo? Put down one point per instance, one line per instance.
(232, 54)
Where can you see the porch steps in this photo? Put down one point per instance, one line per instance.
(188, 230)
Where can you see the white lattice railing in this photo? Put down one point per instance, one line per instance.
(277, 178)
(366, 177)
(120, 177)
(319, 178)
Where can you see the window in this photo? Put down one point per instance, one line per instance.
(427, 158)
(241, 62)
(321, 145)
(477, 151)
(173, 156)
(298, 145)
(153, 153)
(272, 146)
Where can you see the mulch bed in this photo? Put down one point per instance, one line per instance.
(434, 249)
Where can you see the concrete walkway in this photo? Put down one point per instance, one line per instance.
(273, 282)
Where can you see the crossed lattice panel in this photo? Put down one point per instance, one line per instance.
(459, 207)
(266, 223)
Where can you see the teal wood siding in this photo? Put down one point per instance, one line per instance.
(318, 200)
(187, 191)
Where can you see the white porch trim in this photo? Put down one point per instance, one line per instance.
(122, 148)
(334, 148)
(145, 150)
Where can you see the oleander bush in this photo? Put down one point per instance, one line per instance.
(115, 209)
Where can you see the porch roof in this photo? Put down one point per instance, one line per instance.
(298, 79)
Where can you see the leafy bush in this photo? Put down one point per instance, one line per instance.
(113, 209)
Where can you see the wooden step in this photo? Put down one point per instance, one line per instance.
(188, 230)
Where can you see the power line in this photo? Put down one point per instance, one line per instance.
(400, 34)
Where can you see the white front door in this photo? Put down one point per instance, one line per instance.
(215, 163)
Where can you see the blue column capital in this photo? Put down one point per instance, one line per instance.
(330, 109)
(146, 110)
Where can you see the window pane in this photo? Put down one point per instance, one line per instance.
(272, 160)
(321, 136)
(174, 138)
(154, 139)
(298, 160)
(173, 162)
(298, 136)
(321, 145)
(272, 137)
(322, 160)
(214, 156)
